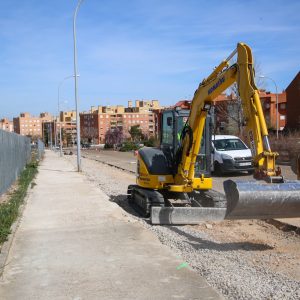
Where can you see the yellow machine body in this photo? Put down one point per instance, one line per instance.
(166, 181)
(167, 172)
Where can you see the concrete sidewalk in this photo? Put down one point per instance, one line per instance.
(73, 243)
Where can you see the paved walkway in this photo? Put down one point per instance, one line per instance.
(73, 243)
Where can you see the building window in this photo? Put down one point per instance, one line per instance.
(282, 105)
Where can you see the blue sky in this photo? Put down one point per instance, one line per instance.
(135, 49)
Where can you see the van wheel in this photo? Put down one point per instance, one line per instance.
(217, 169)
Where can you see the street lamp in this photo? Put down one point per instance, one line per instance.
(58, 104)
(262, 76)
(75, 78)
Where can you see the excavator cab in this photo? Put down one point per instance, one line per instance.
(173, 122)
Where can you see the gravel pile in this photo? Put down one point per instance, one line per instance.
(228, 267)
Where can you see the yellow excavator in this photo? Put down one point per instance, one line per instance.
(174, 183)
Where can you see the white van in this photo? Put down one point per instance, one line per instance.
(230, 154)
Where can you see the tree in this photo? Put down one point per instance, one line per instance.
(114, 136)
(151, 142)
(135, 133)
(231, 112)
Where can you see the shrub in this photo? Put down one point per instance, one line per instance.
(129, 146)
(108, 146)
(9, 210)
(288, 146)
(151, 142)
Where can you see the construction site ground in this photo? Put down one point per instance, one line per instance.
(127, 161)
(80, 239)
(242, 259)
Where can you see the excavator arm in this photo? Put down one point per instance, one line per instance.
(272, 196)
(242, 72)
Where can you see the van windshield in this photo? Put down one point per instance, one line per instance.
(229, 144)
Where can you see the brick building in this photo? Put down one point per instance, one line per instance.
(95, 123)
(7, 125)
(29, 125)
(67, 121)
(269, 107)
(293, 104)
(228, 117)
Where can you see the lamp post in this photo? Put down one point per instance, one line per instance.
(75, 78)
(262, 76)
(50, 135)
(55, 135)
(58, 107)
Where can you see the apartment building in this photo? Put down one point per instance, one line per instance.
(29, 125)
(67, 121)
(7, 125)
(227, 110)
(95, 123)
(67, 116)
(269, 101)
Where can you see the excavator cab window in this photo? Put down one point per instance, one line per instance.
(173, 121)
(203, 161)
(167, 129)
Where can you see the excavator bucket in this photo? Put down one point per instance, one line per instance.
(245, 200)
(261, 200)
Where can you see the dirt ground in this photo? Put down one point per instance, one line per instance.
(6, 196)
(270, 247)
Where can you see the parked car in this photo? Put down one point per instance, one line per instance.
(230, 154)
(85, 146)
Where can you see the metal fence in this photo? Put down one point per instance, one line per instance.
(15, 153)
(40, 149)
